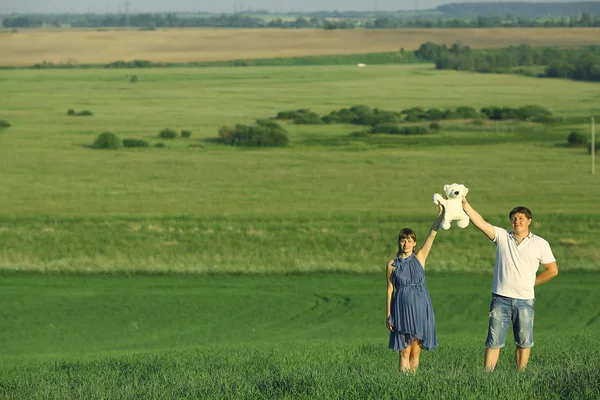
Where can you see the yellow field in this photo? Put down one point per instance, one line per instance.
(27, 47)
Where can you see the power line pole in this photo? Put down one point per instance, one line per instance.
(127, 6)
(593, 146)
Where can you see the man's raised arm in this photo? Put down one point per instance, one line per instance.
(488, 229)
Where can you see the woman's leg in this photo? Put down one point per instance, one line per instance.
(405, 359)
(415, 351)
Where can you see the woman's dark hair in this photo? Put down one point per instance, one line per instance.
(403, 234)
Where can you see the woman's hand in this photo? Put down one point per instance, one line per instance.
(389, 324)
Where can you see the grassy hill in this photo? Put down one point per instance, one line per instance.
(197, 205)
(200, 270)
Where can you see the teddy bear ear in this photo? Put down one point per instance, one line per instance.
(446, 187)
(466, 190)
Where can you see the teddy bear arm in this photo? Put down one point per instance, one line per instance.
(438, 199)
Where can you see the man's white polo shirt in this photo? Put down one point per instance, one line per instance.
(517, 263)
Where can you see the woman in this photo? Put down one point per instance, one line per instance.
(409, 311)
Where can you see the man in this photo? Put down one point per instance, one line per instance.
(518, 257)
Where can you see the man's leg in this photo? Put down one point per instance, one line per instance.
(491, 359)
(522, 318)
(522, 357)
(500, 314)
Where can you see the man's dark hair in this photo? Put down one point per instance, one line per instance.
(520, 210)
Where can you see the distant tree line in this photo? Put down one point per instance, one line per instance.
(243, 20)
(161, 20)
(582, 63)
(468, 10)
(585, 20)
(523, 9)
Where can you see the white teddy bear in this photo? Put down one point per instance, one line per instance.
(453, 205)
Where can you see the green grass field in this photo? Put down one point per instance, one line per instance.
(324, 203)
(204, 271)
(306, 336)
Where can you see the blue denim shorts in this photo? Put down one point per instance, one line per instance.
(503, 310)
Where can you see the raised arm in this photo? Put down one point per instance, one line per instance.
(488, 229)
(390, 289)
(423, 252)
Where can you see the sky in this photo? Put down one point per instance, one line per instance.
(229, 6)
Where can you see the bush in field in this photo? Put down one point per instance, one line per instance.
(576, 139)
(129, 64)
(311, 118)
(361, 115)
(264, 133)
(133, 79)
(526, 113)
(346, 116)
(4, 124)
(343, 116)
(269, 124)
(259, 136)
(135, 143)
(383, 117)
(534, 113)
(293, 114)
(499, 113)
(434, 114)
(386, 128)
(414, 114)
(364, 114)
(300, 116)
(414, 130)
(434, 126)
(226, 134)
(430, 51)
(160, 145)
(168, 133)
(186, 133)
(331, 118)
(82, 113)
(398, 129)
(107, 140)
(466, 113)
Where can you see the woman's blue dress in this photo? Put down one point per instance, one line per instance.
(411, 310)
